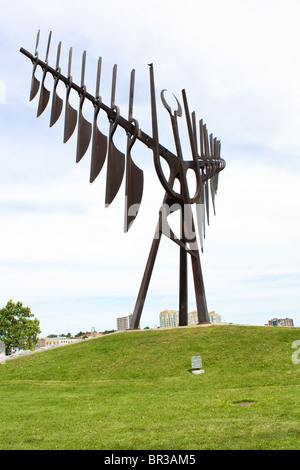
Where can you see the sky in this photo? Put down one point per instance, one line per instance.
(65, 255)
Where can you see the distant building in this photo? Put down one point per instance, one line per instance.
(281, 322)
(123, 323)
(41, 343)
(52, 342)
(170, 318)
(213, 317)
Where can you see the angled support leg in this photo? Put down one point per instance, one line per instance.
(199, 289)
(183, 280)
(135, 321)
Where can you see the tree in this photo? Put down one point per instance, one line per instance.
(18, 328)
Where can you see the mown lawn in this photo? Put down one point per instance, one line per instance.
(135, 391)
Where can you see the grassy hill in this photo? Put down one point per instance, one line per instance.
(135, 390)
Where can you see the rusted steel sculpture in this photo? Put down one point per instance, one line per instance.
(206, 163)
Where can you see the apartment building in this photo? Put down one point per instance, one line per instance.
(170, 318)
(123, 323)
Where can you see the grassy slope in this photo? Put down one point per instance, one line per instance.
(134, 390)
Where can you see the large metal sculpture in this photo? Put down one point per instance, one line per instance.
(206, 163)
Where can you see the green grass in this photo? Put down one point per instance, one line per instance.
(135, 391)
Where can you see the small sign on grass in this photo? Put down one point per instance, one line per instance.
(196, 362)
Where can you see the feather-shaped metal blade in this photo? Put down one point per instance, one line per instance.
(84, 126)
(206, 201)
(57, 106)
(70, 112)
(134, 193)
(99, 140)
(213, 170)
(35, 83)
(99, 149)
(45, 94)
(57, 102)
(84, 136)
(200, 212)
(115, 171)
(44, 99)
(115, 158)
(134, 175)
(70, 119)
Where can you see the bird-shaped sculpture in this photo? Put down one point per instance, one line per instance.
(206, 163)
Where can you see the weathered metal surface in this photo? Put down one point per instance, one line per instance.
(84, 126)
(70, 112)
(134, 175)
(57, 102)
(44, 94)
(115, 158)
(35, 83)
(99, 140)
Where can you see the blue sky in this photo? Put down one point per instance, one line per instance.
(65, 255)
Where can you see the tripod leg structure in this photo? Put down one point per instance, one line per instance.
(183, 284)
(183, 280)
(135, 321)
(199, 290)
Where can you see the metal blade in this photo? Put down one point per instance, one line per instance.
(57, 106)
(35, 83)
(201, 138)
(115, 172)
(99, 149)
(200, 212)
(134, 193)
(70, 120)
(205, 142)
(134, 175)
(70, 113)
(44, 98)
(99, 140)
(45, 94)
(213, 191)
(84, 136)
(206, 201)
(57, 102)
(84, 126)
(212, 181)
(115, 158)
